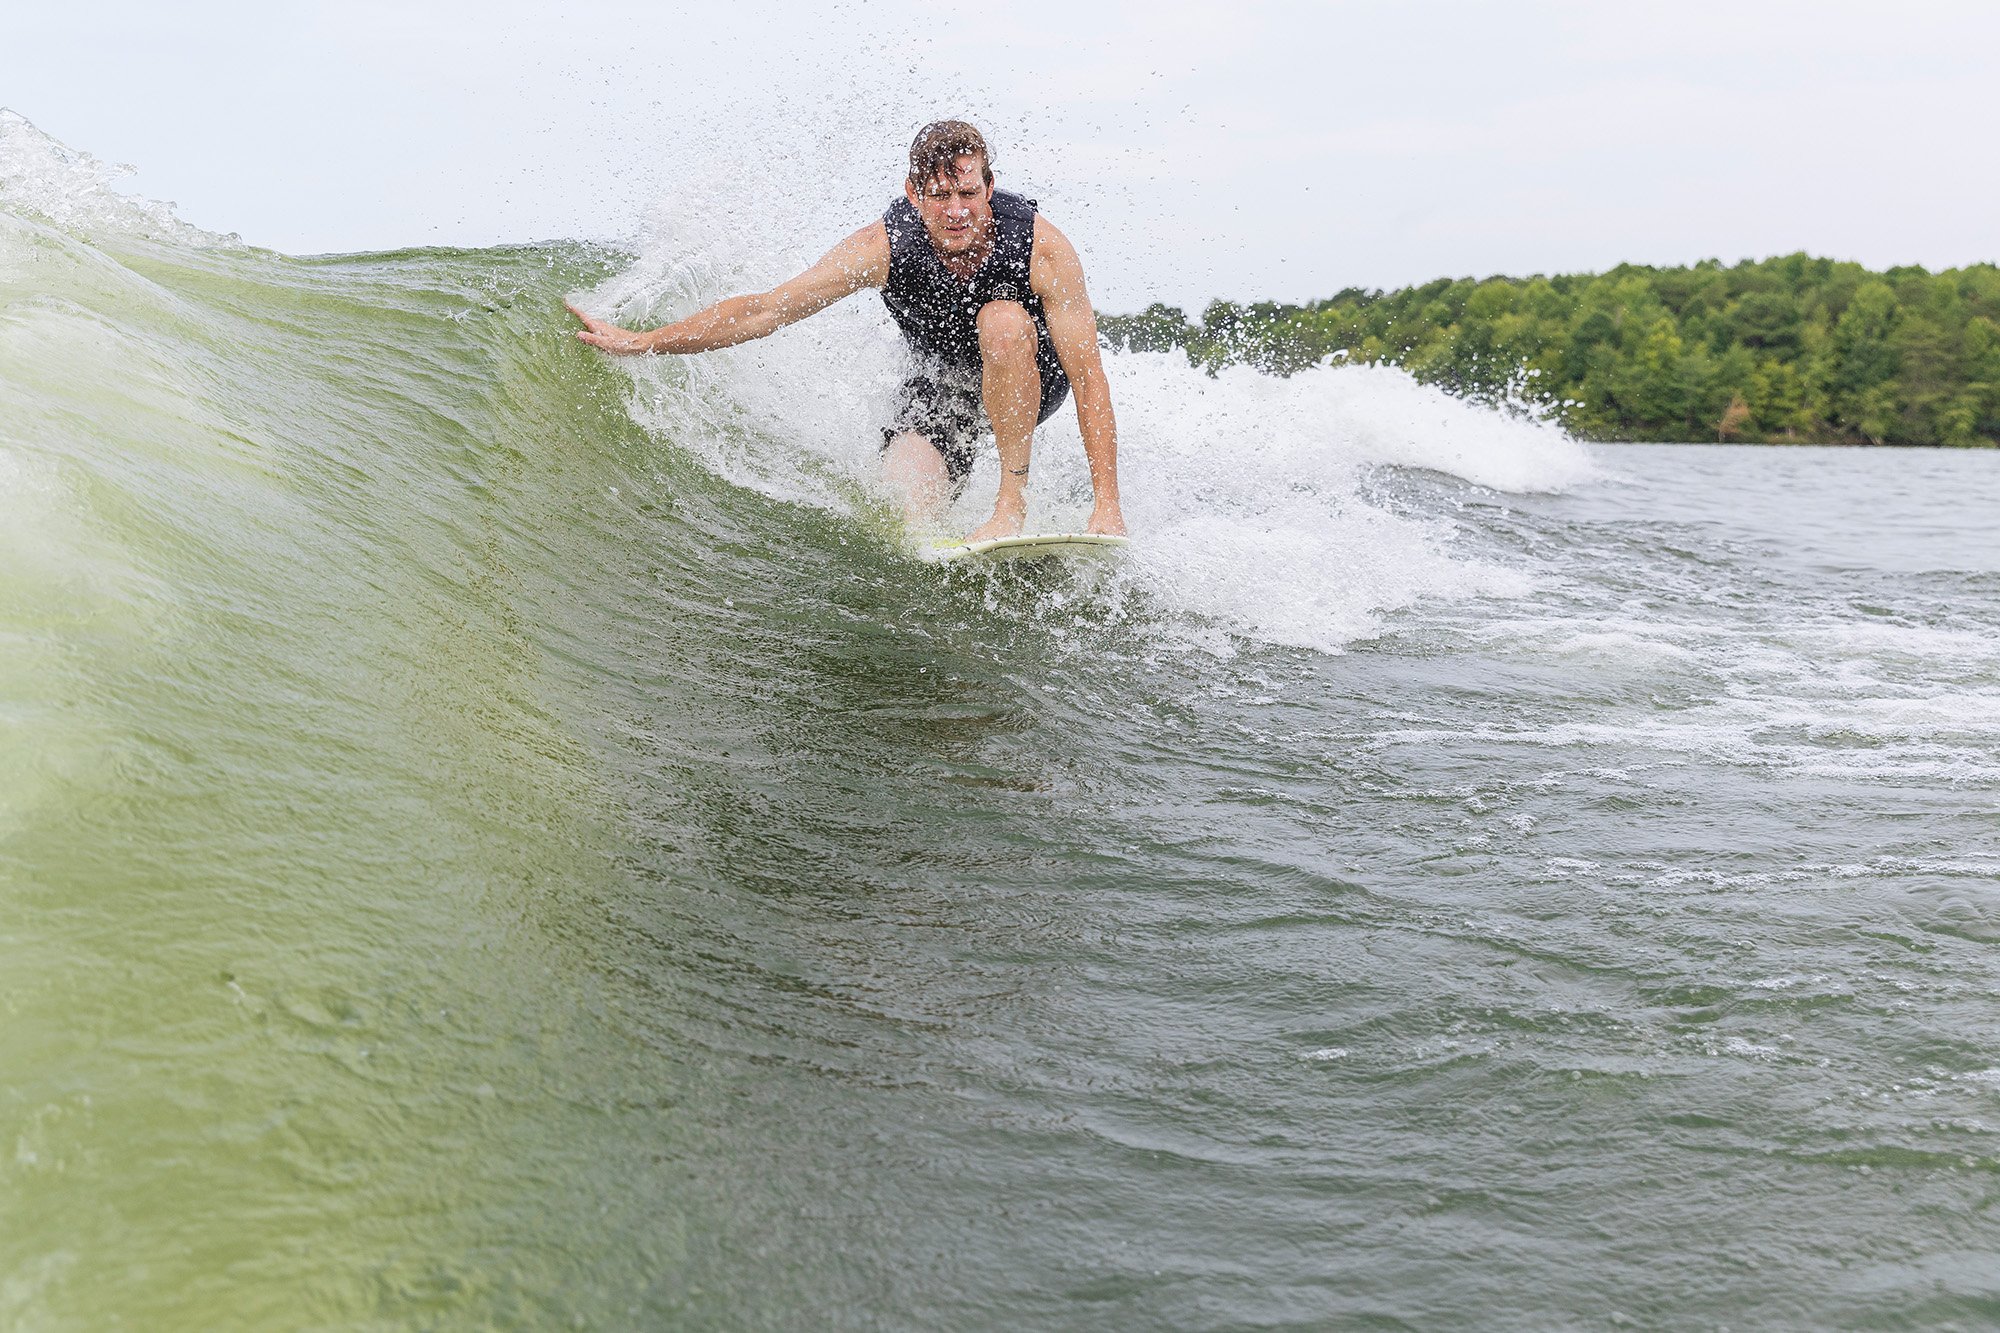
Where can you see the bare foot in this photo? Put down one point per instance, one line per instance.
(1002, 524)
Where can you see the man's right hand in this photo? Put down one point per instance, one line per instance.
(604, 334)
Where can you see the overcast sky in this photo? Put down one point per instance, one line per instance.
(1252, 150)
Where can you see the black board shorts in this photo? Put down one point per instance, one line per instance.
(945, 409)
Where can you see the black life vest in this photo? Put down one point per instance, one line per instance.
(939, 312)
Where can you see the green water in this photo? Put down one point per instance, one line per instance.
(464, 862)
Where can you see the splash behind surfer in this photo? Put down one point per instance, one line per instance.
(990, 298)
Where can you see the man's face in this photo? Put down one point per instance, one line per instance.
(957, 210)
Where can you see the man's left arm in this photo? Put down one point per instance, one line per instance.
(1056, 275)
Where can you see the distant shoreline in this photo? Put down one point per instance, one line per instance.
(1793, 350)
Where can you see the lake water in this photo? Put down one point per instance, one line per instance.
(490, 837)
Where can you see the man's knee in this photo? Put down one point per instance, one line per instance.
(908, 451)
(1005, 327)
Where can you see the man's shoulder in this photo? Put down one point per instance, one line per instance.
(1056, 262)
(899, 222)
(862, 259)
(1047, 233)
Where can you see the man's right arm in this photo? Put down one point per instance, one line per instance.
(862, 260)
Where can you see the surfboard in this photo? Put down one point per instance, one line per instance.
(1031, 546)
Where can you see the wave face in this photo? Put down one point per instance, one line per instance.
(493, 836)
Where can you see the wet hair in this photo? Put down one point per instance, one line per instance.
(939, 145)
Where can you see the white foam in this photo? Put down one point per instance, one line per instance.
(78, 193)
(1932, 647)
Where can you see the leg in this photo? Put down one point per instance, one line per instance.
(916, 468)
(1011, 391)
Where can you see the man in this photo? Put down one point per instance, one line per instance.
(990, 298)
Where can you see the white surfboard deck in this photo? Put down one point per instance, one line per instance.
(1030, 546)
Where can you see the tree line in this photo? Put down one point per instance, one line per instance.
(1793, 349)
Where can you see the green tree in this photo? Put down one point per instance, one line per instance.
(1791, 348)
(1863, 362)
